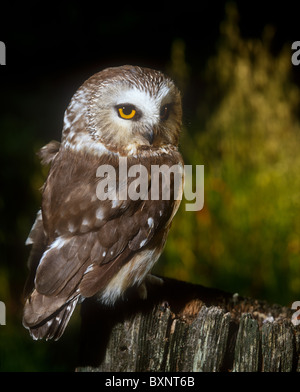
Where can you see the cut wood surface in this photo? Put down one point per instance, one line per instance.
(183, 327)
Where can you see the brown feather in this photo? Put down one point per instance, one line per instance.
(48, 152)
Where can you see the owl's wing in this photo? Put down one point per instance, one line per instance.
(83, 264)
(38, 240)
(88, 243)
(146, 229)
(37, 237)
(70, 262)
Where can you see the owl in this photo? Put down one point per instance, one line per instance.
(87, 246)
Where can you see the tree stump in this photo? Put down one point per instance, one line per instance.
(183, 327)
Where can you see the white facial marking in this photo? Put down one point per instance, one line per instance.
(148, 105)
(142, 101)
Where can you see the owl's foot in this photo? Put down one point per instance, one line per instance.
(142, 289)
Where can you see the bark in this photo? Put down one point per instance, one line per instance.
(183, 327)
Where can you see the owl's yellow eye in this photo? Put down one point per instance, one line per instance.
(126, 111)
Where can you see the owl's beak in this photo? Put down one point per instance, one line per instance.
(149, 135)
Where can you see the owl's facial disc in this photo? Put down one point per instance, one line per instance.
(140, 114)
(132, 109)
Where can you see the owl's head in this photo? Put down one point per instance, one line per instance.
(124, 109)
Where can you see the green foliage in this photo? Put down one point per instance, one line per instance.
(246, 133)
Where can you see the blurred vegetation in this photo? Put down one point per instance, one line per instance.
(247, 134)
(243, 127)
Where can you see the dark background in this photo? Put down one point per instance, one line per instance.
(51, 51)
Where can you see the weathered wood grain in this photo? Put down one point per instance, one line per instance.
(188, 328)
(247, 345)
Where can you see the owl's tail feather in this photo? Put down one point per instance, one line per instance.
(49, 327)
